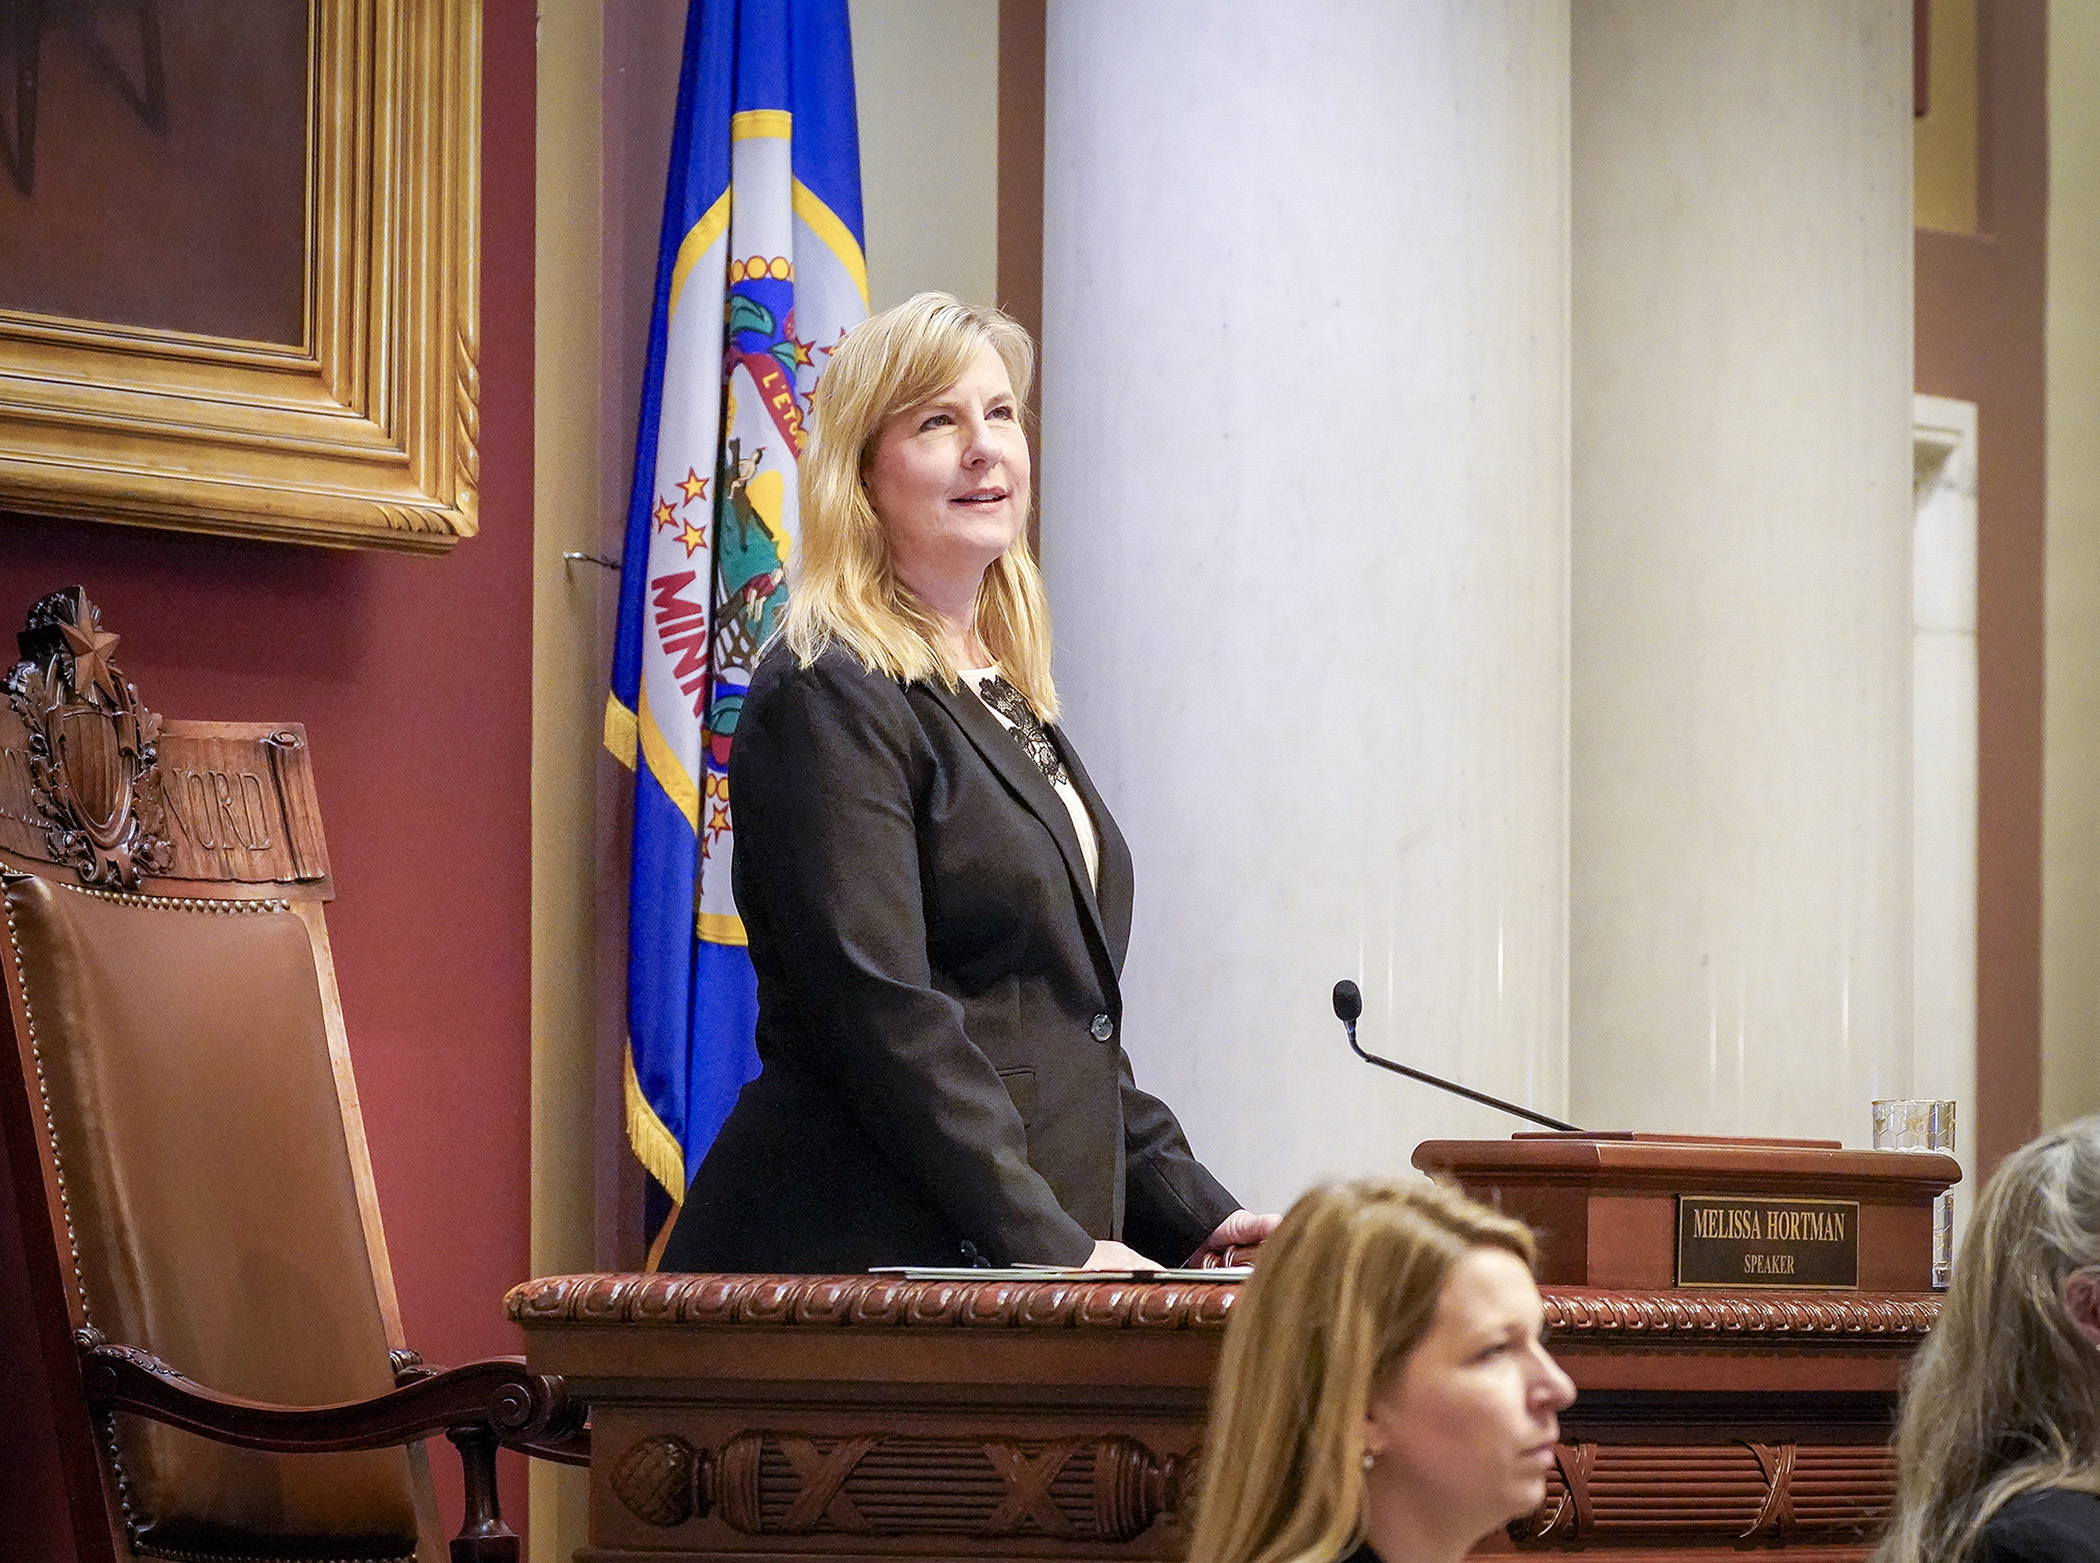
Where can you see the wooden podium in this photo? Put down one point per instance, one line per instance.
(1722, 1404)
(798, 1417)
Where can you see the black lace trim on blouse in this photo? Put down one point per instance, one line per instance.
(1010, 703)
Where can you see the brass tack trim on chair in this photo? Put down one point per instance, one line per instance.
(43, 1091)
(106, 1425)
(173, 1556)
(175, 903)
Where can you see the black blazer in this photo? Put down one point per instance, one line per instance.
(939, 1013)
(2050, 1525)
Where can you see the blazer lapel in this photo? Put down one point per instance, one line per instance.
(1011, 762)
(1113, 893)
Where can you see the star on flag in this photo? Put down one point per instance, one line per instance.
(662, 513)
(695, 486)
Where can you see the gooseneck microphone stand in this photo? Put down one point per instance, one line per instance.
(1349, 1003)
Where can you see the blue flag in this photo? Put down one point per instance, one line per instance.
(760, 276)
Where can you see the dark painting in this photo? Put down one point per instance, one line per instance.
(153, 164)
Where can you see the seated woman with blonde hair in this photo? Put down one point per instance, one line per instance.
(1998, 1440)
(1385, 1390)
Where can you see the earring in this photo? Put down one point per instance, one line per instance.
(1370, 1459)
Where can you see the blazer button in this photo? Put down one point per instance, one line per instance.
(1103, 1028)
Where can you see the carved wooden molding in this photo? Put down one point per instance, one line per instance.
(1706, 1315)
(368, 432)
(802, 1300)
(765, 1483)
(673, 1301)
(92, 780)
(91, 745)
(1738, 1492)
(1112, 1488)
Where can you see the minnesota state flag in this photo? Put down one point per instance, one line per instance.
(760, 276)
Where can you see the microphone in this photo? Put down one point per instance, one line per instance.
(1349, 1004)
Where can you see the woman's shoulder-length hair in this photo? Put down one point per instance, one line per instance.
(842, 587)
(1341, 1294)
(2005, 1395)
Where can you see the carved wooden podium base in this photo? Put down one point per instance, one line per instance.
(760, 1417)
(797, 1417)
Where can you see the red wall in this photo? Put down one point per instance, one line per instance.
(414, 679)
(1980, 325)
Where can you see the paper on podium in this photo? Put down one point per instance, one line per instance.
(1057, 1273)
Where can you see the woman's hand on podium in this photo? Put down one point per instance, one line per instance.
(1117, 1256)
(1241, 1229)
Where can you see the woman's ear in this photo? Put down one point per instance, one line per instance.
(2082, 1302)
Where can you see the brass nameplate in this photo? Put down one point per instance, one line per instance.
(1734, 1240)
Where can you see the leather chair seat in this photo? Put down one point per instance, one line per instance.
(211, 1206)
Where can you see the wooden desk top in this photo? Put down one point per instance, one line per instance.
(1575, 1315)
(1690, 1163)
(1157, 1335)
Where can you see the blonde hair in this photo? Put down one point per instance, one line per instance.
(2005, 1396)
(842, 586)
(1340, 1296)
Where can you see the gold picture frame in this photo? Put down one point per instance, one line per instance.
(365, 435)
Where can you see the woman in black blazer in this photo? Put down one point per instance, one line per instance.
(936, 899)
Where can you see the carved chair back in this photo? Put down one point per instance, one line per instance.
(188, 1155)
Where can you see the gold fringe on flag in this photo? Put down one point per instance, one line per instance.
(655, 1146)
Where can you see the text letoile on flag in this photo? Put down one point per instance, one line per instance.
(760, 276)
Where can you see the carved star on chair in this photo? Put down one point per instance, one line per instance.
(91, 646)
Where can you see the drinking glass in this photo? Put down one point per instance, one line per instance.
(1915, 1123)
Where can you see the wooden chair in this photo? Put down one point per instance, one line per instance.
(215, 1307)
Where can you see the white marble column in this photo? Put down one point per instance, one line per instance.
(1304, 461)
(1943, 766)
(1740, 784)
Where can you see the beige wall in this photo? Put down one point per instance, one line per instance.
(2071, 764)
(567, 681)
(1944, 137)
(927, 73)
